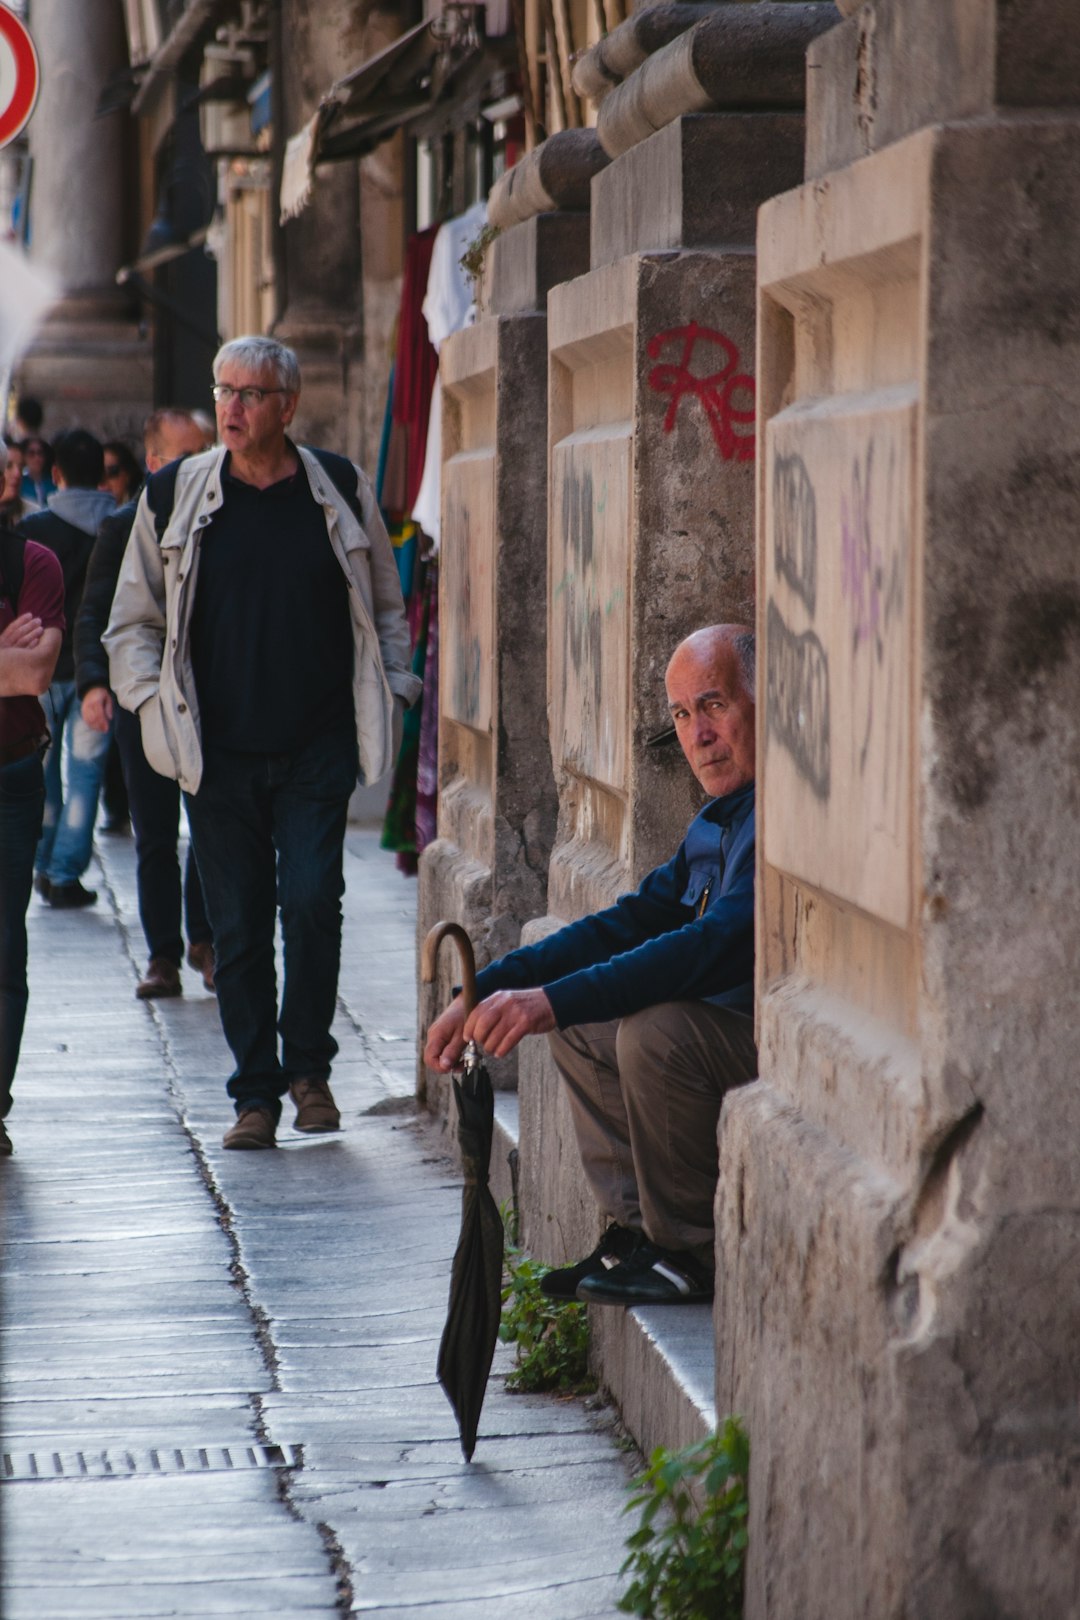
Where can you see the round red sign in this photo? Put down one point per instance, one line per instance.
(19, 75)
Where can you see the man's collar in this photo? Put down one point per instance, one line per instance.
(227, 475)
(724, 809)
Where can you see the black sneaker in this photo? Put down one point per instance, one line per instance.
(651, 1276)
(42, 885)
(63, 896)
(618, 1243)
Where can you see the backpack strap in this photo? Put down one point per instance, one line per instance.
(161, 487)
(161, 495)
(12, 566)
(342, 473)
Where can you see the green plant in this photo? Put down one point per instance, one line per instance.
(686, 1561)
(552, 1339)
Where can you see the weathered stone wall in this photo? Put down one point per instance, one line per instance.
(898, 1202)
(488, 867)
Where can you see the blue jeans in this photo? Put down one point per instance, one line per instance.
(269, 830)
(22, 799)
(67, 834)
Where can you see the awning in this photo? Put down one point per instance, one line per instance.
(194, 23)
(417, 83)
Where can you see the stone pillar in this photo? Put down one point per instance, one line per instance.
(90, 365)
(488, 867)
(650, 535)
(322, 318)
(898, 1206)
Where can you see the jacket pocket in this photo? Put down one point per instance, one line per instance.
(155, 743)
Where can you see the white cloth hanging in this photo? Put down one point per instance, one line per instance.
(448, 306)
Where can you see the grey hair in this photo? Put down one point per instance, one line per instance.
(744, 645)
(261, 354)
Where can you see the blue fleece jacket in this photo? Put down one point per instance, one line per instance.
(687, 934)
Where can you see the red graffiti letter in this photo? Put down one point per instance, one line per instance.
(715, 391)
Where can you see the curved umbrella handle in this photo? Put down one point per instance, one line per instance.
(432, 941)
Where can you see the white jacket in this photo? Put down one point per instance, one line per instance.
(149, 635)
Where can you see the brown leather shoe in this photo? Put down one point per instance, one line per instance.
(316, 1109)
(254, 1129)
(201, 957)
(162, 979)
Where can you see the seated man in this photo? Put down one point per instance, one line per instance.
(648, 1006)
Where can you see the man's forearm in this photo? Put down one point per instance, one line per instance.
(27, 671)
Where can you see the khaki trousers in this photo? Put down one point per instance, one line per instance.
(645, 1094)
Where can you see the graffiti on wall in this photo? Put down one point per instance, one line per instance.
(726, 395)
(589, 634)
(837, 654)
(467, 543)
(795, 527)
(583, 617)
(797, 699)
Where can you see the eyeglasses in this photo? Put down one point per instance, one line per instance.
(113, 471)
(248, 396)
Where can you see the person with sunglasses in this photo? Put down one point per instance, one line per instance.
(123, 475)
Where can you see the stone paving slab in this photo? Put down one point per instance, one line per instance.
(166, 1300)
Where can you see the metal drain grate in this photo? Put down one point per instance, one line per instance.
(159, 1460)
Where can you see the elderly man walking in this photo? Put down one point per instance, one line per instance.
(259, 634)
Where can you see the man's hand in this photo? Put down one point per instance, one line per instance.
(97, 708)
(24, 632)
(445, 1042)
(496, 1026)
(501, 1021)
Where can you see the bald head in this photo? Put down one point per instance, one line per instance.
(710, 688)
(170, 433)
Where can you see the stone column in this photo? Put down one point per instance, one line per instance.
(497, 805)
(898, 1207)
(322, 317)
(89, 365)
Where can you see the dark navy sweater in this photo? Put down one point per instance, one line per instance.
(687, 934)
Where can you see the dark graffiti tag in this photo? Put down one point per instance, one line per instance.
(716, 391)
(467, 661)
(795, 527)
(797, 700)
(584, 619)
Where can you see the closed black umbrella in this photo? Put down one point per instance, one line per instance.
(472, 1317)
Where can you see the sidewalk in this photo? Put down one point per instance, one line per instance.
(218, 1368)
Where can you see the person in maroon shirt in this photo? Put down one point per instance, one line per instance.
(31, 629)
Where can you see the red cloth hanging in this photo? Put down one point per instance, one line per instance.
(416, 365)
